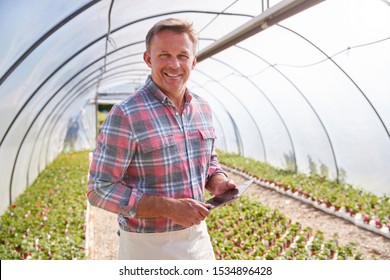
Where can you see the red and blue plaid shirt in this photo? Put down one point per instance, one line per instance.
(147, 147)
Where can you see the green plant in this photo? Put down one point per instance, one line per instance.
(248, 230)
(316, 186)
(47, 220)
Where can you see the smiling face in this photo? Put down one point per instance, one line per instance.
(171, 56)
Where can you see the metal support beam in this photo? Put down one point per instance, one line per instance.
(273, 15)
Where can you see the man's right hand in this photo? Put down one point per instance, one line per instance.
(183, 211)
(188, 212)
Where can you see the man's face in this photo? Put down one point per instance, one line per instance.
(171, 58)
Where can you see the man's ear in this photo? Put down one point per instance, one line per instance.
(148, 59)
(194, 61)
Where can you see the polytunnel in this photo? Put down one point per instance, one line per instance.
(301, 85)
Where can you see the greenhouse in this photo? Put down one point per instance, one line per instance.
(300, 85)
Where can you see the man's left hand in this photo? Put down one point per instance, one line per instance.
(219, 184)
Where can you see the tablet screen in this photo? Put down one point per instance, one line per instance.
(229, 195)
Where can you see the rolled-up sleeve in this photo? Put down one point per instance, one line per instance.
(113, 153)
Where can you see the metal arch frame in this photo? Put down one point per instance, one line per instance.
(271, 17)
(82, 79)
(137, 62)
(58, 26)
(51, 123)
(272, 105)
(345, 73)
(47, 120)
(96, 40)
(91, 44)
(42, 84)
(80, 92)
(20, 147)
(24, 138)
(118, 72)
(270, 102)
(56, 117)
(115, 74)
(62, 65)
(44, 37)
(331, 145)
(36, 117)
(65, 63)
(308, 102)
(77, 13)
(239, 141)
(52, 112)
(128, 77)
(68, 96)
(41, 129)
(238, 135)
(76, 93)
(97, 60)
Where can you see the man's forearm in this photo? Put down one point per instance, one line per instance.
(153, 206)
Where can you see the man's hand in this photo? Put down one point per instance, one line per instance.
(188, 212)
(219, 184)
(183, 211)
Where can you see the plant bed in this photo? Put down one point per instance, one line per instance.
(361, 208)
(47, 220)
(247, 230)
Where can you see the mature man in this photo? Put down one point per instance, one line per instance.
(155, 156)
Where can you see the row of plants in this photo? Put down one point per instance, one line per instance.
(247, 230)
(47, 221)
(360, 206)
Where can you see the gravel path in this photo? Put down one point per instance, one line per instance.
(102, 240)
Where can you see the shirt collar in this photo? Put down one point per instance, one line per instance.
(160, 96)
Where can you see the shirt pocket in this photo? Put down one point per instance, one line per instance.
(207, 133)
(156, 164)
(157, 143)
(202, 142)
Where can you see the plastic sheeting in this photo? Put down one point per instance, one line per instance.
(309, 94)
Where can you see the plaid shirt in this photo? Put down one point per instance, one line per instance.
(147, 147)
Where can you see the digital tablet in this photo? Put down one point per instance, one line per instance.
(229, 195)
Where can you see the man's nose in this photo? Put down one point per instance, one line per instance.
(174, 62)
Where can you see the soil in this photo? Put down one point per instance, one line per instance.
(102, 240)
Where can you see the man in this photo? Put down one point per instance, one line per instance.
(155, 156)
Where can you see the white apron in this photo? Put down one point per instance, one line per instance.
(192, 243)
